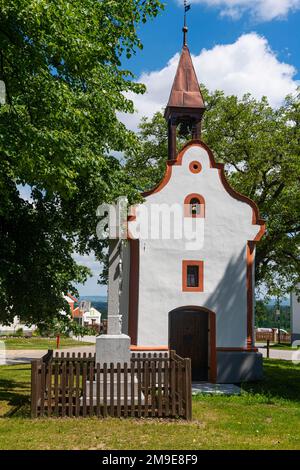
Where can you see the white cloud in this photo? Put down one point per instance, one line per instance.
(25, 192)
(247, 65)
(89, 261)
(91, 286)
(263, 10)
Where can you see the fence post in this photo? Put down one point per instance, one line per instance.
(173, 385)
(268, 348)
(34, 387)
(188, 388)
(48, 356)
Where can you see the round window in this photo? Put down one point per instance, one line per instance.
(195, 167)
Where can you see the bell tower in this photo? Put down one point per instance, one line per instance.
(186, 106)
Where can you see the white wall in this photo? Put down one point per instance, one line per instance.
(124, 295)
(91, 315)
(227, 227)
(295, 311)
(13, 327)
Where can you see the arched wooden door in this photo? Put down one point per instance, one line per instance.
(189, 337)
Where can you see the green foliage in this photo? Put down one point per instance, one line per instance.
(262, 315)
(61, 64)
(19, 332)
(260, 149)
(61, 324)
(265, 316)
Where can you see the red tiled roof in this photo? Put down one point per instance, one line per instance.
(73, 298)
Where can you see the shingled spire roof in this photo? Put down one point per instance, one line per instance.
(185, 91)
(186, 104)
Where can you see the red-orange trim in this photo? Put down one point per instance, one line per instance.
(149, 348)
(256, 220)
(212, 347)
(250, 293)
(163, 182)
(195, 167)
(133, 290)
(185, 264)
(187, 202)
(212, 339)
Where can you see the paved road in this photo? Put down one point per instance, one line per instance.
(86, 339)
(287, 355)
(23, 356)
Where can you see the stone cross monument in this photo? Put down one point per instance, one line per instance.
(114, 346)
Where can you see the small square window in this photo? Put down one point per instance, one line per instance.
(192, 276)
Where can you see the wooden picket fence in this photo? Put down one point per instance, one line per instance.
(272, 336)
(263, 336)
(152, 385)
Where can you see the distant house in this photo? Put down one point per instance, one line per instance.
(15, 326)
(85, 305)
(78, 308)
(27, 330)
(72, 301)
(295, 316)
(92, 317)
(77, 315)
(88, 318)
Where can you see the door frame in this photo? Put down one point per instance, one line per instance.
(212, 351)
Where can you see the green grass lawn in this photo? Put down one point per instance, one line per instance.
(265, 416)
(284, 347)
(41, 343)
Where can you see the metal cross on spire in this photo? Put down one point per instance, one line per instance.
(187, 7)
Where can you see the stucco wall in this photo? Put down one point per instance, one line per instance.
(295, 306)
(227, 227)
(124, 295)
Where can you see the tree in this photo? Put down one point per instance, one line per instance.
(260, 148)
(61, 64)
(262, 316)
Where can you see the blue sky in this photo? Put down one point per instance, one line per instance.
(237, 45)
(208, 26)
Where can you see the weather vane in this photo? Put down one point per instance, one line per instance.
(187, 7)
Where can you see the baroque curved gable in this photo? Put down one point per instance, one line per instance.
(256, 219)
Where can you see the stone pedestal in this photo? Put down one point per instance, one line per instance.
(132, 391)
(113, 348)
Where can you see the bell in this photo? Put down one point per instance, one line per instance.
(185, 128)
